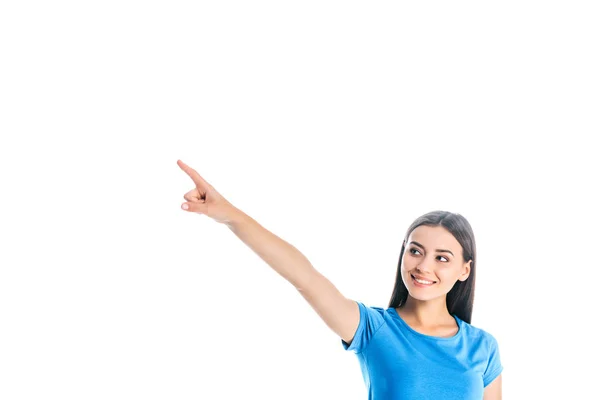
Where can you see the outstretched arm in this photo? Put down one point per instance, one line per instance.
(342, 315)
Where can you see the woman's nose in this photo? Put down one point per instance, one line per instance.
(425, 265)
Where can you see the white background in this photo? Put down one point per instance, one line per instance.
(333, 124)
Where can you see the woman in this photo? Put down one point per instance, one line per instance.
(423, 345)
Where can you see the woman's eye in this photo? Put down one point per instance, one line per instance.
(411, 252)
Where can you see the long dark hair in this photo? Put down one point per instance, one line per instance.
(459, 299)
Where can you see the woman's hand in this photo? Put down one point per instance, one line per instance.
(204, 199)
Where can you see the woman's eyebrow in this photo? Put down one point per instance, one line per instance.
(438, 250)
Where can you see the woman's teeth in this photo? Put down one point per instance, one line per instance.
(422, 282)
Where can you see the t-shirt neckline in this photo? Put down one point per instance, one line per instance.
(456, 335)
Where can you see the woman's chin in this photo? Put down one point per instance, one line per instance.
(418, 295)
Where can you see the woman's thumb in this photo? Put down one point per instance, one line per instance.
(193, 207)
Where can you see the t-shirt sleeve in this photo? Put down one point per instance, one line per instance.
(494, 367)
(370, 322)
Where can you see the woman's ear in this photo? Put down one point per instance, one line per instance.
(466, 271)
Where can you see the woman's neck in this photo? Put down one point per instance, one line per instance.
(429, 313)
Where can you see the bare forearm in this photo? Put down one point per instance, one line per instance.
(280, 255)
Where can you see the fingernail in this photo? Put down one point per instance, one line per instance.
(185, 206)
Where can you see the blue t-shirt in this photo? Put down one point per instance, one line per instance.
(400, 363)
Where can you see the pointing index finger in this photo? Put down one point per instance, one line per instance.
(198, 180)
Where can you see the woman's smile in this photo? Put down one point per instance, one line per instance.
(421, 282)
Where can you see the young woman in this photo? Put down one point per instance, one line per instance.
(422, 346)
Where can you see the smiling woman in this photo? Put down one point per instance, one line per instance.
(422, 346)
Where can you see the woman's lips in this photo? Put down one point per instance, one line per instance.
(423, 285)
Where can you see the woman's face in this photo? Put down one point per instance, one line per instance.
(434, 256)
